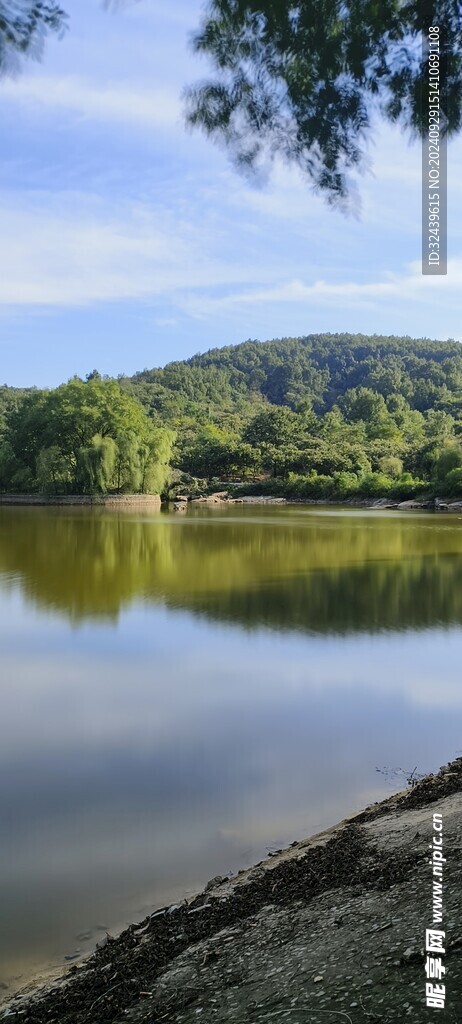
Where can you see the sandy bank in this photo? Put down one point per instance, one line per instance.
(332, 928)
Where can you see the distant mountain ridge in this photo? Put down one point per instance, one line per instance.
(317, 369)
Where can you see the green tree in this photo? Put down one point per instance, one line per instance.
(54, 471)
(9, 465)
(278, 426)
(391, 466)
(439, 426)
(454, 483)
(364, 404)
(303, 78)
(88, 435)
(374, 484)
(449, 459)
(247, 460)
(24, 25)
(211, 453)
(128, 470)
(155, 453)
(96, 464)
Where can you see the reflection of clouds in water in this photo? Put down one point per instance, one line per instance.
(166, 676)
(160, 765)
(151, 753)
(158, 734)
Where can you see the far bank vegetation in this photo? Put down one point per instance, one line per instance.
(327, 416)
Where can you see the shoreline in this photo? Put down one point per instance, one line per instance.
(178, 959)
(378, 504)
(106, 500)
(222, 499)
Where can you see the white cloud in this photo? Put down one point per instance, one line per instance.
(203, 238)
(411, 285)
(71, 249)
(146, 106)
(148, 711)
(201, 229)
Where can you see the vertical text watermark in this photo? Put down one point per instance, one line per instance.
(434, 155)
(435, 989)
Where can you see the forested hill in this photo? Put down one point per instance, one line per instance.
(323, 416)
(333, 415)
(318, 369)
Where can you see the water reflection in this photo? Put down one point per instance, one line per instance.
(288, 569)
(155, 732)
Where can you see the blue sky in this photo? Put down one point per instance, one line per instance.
(127, 241)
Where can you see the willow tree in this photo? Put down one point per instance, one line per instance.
(96, 465)
(85, 436)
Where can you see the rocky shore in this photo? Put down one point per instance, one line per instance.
(332, 928)
(225, 498)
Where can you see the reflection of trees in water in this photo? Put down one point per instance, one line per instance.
(368, 598)
(324, 574)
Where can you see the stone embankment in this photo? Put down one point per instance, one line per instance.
(105, 500)
(332, 928)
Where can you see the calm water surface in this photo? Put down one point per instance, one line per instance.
(182, 693)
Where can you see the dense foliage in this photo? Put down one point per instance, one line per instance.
(322, 416)
(326, 415)
(305, 78)
(24, 24)
(301, 78)
(85, 437)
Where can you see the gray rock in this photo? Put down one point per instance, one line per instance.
(384, 503)
(214, 882)
(255, 874)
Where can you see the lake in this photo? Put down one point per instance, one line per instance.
(183, 693)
